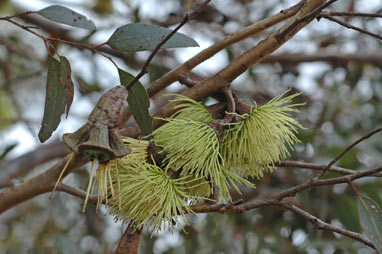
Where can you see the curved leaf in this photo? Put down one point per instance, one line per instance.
(139, 37)
(371, 221)
(66, 16)
(59, 95)
(139, 103)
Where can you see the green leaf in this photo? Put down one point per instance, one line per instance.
(139, 103)
(139, 37)
(371, 221)
(59, 95)
(66, 16)
(66, 80)
(346, 212)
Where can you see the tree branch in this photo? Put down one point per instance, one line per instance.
(11, 169)
(223, 78)
(323, 225)
(347, 25)
(347, 149)
(205, 54)
(129, 242)
(334, 59)
(77, 193)
(39, 184)
(300, 164)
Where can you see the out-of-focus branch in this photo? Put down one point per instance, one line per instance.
(307, 185)
(129, 242)
(334, 59)
(205, 208)
(300, 164)
(352, 14)
(11, 169)
(37, 185)
(325, 226)
(347, 25)
(347, 149)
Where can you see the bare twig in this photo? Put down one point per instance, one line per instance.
(77, 193)
(153, 53)
(331, 163)
(352, 14)
(300, 164)
(325, 226)
(334, 59)
(48, 40)
(314, 182)
(280, 37)
(205, 208)
(347, 25)
(231, 104)
(162, 42)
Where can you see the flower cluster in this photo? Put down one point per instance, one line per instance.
(200, 161)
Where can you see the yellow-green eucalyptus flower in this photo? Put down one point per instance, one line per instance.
(191, 109)
(148, 195)
(194, 148)
(262, 137)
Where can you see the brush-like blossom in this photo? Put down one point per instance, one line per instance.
(149, 195)
(191, 109)
(262, 137)
(193, 148)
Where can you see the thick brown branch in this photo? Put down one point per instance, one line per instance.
(187, 66)
(129, 242)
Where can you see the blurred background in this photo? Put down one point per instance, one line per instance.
(338, 70)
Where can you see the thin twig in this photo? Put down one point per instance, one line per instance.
(162, 42)
(325, 226)
(159, 45)
(331, 163)
(205, 208)
(307, 165)
(281, 36)
(347, 25)
(77, 193)
(314, 182)
(231, 104)
(352, 14)
(48, 40)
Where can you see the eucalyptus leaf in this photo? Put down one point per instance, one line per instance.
(371, 221)
(66, 16)
(140, 37)
(139, 103)
(59, 96)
